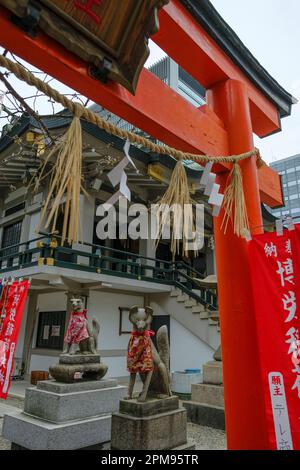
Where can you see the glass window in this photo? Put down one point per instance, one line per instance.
(295, 203)
(278, 166)
(291, 176)
(292, 183)
(290, 164)
(290, 170)
(190, 95)
(296, 210)
(293, 190)
(294, 196)
(11, 236)
(51, 330)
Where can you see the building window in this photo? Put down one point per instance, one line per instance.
(11, 236)
(51, 330)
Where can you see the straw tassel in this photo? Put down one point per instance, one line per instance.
(234, 203)
(176, 197)
(65, 182)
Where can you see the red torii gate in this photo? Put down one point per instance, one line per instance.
(240, 101)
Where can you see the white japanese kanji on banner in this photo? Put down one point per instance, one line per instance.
(12, 305)
(275, 263)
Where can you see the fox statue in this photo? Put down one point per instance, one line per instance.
(143, 358)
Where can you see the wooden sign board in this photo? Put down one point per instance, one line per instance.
(110, 35)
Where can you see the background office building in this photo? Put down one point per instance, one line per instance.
(289, 169)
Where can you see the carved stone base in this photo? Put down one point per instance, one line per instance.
(78, 367)
(153, 425)
(59, 416)
(206, 407)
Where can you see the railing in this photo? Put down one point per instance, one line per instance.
(46, 250)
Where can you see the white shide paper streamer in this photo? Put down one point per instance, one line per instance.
(212, 189)
(117, 176)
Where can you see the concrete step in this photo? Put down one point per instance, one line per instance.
(215, 316)
(191, 303)
(204, 315)
(209, 394)
(205, 415)
(5, 409)
(182, 298)
(212, 322)
(198, 308)
(175, 292)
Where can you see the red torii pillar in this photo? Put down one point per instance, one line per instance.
(244, 401)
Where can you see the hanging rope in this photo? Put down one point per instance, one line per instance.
(78, 109)
(66, 173)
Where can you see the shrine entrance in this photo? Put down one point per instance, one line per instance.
(242, 99)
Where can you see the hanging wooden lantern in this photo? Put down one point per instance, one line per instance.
(109, 35)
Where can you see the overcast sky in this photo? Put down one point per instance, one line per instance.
(270, 29)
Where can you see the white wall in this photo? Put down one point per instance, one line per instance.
(52, 302)
(187, 351)
(34, 221)
(104, 306)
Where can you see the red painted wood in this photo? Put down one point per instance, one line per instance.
(156, 108)
(244, 401)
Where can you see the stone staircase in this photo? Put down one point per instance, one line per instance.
(192, 315)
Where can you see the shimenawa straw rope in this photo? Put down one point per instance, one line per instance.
(66, 173)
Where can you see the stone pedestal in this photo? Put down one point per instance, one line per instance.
(62, 416)
(73, 368)
(153, 425)
(207, 404)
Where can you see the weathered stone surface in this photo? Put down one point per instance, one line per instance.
(157, 432)
(150, 407)
(205, 415)
(58, 387)
(60, 408)
(208, 394)
(188, 446)
(34, 434)
(218, 354)
(72, 373)
(213, 373)
(79, 359)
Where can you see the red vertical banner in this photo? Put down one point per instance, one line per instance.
(275, 264)
(10, 328)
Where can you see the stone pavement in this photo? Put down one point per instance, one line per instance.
(5, 407)
(204, 438)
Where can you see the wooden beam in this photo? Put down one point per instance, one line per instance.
(180, 32)
(156, 108)
(270, 187)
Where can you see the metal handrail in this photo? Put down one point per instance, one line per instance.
(10, 247)
(115, 250)
(173, 270)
